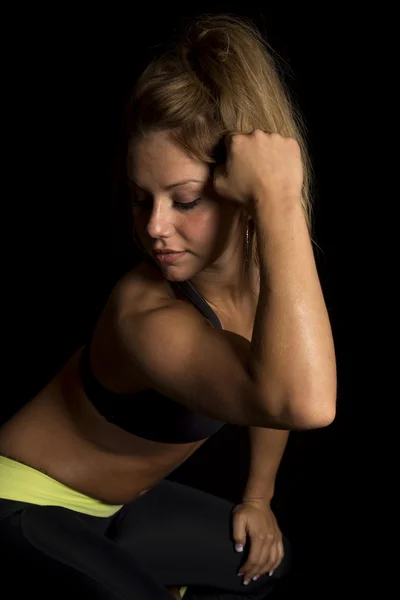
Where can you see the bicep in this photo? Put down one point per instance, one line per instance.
(199, 366)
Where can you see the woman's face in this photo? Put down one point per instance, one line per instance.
(176, 207)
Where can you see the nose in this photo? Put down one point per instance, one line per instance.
(161, 221)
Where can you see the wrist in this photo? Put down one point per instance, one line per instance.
(264, 498)
(270, 206)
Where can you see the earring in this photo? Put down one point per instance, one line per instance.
(247, 252)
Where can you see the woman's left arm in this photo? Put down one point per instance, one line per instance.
(266, 450)
(253, 517)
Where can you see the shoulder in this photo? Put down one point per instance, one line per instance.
(145, 289)
(139, 292)
(142, 291)
(142, 288)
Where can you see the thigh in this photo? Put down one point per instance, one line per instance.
(54, 552)
(184, 537)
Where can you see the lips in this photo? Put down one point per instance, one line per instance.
(168, 257)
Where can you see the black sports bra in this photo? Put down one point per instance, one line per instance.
(149, 414)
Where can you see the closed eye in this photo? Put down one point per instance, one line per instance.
(178, 205)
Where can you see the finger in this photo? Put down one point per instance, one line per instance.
(261, 568)
(280, 555)
(219, 181)
(253, 564)
(272, 559)
(221, 155)
(229, 137)
(239, 533)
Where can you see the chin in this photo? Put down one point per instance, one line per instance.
(177, 272)
(173, 273)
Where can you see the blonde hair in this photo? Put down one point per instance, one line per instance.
(217, 76)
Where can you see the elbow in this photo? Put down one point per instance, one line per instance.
(304, 414)
(292, 411)
(316, 408)
(314, 415)
(313, 421)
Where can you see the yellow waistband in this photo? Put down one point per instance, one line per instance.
(24, 484)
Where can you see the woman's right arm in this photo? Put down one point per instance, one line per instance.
(292, 356)
(283, 379)
(178, 354)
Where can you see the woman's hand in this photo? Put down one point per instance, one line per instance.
(255, 519)
(260, 164)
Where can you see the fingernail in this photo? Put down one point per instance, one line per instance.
(239, 547)
(270, 573)
(255, 577)
(245, 582)
(240, 574)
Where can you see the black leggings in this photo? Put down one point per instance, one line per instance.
(174, 535)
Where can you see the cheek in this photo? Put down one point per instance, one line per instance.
(202, 227)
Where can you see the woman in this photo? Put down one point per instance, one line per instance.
(224, 321)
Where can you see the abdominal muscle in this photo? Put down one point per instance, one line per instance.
(60, 433)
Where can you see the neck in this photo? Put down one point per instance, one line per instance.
(229, 289)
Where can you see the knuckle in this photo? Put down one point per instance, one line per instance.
(234, 137)
(231, 140)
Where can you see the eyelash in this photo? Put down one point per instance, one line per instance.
(180, 205)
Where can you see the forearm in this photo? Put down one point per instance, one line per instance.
(266, 450)
(292, 356)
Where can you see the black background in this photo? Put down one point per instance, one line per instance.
(70, 71)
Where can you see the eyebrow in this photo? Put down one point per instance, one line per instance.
(172, 185)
